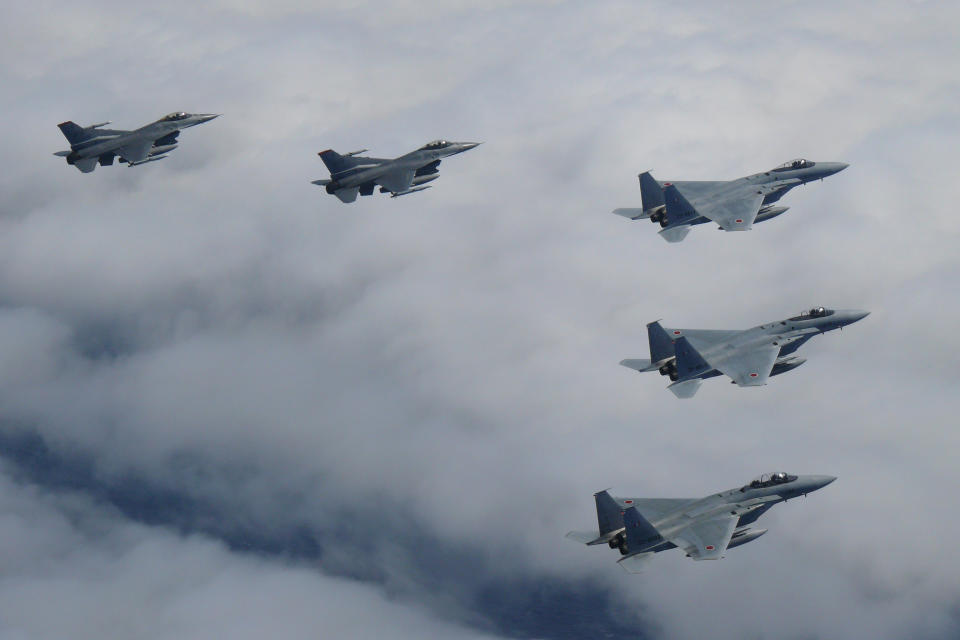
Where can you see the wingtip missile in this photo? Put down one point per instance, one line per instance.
(353, 153)
(98, 125)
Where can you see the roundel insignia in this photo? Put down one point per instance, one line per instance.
(753, 375)
(709, 547)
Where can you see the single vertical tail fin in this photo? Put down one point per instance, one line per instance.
(640, 534)
(651, 194)
(335, 162)
(74, 133)
(608, 512)
(689, 360)
(661, 346)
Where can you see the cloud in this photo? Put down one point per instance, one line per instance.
(407, 403)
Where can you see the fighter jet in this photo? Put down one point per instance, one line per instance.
(352, 174)
(703, 528)
(749, 357)
(89, 145)
(734, 205)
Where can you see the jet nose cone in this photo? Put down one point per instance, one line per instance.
(857, 315)
(835, 167)
(207, 117)
(466, 146)
(819, 482)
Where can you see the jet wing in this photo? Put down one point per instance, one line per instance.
(748, 368)
(707, 539)
(735, 211)
(397, 180)
(135, 150)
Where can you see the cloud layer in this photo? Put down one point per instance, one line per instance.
(232, 404)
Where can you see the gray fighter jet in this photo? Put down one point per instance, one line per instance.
(688, 356)
(352, 174)
(703, 528)
(93, 144)
(734, 205)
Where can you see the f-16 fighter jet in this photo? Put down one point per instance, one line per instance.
(703, 528)
(93, 144)
(734, 205)
(749, 357)
(352, 174)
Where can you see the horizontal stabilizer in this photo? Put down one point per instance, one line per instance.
(86, 165)
(639, 364)
(347, 195)
(675, 234)
(633, 214)
(687, 388)
(637, 563)
(589, 538)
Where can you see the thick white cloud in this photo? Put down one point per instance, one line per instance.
(450, 358)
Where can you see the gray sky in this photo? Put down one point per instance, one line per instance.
(230, 404)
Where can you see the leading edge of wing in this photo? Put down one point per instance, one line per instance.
(707, 539)
(748, 368)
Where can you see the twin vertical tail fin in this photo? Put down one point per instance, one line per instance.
(690, 364)
(689, 360)
(640, 534)
(661, 346)
(651, 194)
(608, 513)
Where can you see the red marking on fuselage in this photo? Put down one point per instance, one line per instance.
(739, 220)
(709, 547)
(753, 375)
(628, 502)
(676, 333)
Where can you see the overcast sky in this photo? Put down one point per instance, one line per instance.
(232, 406)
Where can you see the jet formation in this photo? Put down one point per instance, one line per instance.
(639, 528)
(94, 144)
(748, 357)
(352, 174)
(733, 205)
(703, 528)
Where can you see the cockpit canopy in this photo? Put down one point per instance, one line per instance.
(436, 144)
(771, 479)
(816, 312)
(176, 115)
(799, 163)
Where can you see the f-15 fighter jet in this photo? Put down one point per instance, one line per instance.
(89, 145)
(352, 174)
(703, 528)
(749, 357)
(734, 205)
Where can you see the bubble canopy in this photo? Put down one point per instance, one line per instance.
(816, 312)
(771, 479)
(799, 163)
(176, 115)
(436, 144)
